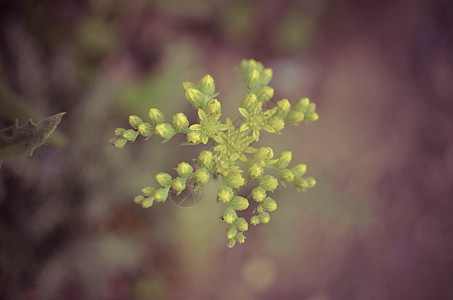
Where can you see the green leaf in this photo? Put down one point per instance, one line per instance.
(23, 140)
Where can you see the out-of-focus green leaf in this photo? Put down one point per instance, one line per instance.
(22, 140)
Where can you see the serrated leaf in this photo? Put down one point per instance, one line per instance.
(23, 140)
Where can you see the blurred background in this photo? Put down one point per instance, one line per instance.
(379, 224)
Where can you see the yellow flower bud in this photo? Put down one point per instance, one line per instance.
(178, 184)
(263, 153)
(120, 131)
(148, 191)
(283, 107)
(156, 116)
(164, 179)
(269, 204)
(255, 220)
(240, 238)
(195, 97)
(302, 105)
(231, 232)
(295, 117)
(184, 170)
(207, 85)
(249, 102)
(134, 121)
(276, 123)
(165, 130)
(213, 107)
(253, 80)
(286, 175)
(266, 94)
(145, 129)
(180, 122)
(299, 170)
(201, 176)
(206, 158)
(266, 76)
(139, 199)
(161, 194)
(231, 243)
(284, 159)
(187, 85)
(264, 217)
(311, 117)
(130, 135)
(229, 215)
(194, 137)
(305, 183)
(256, 171)
(235, 180)
(241, 224)
(118, 143)
(239, 203)
(258, 194)
(225, 194)
(148, 202)
(268, 182)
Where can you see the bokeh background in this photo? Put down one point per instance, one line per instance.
(379, 224)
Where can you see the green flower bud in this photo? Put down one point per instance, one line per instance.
(253, 80)
(201, 176)
(119, 143)
(256, 171)
(213, 107)
(302, 105)
(145, 129)
(184, 170)
(269, 204)
(231, 232)
(225, 194)
(276, 123)
(206, 158)
(195, 97)
(180, 122)
(207, 85)
(266, 94)
(311, 117)
(139, 199)
(134, 121)
(130, 135)
(305, 183)
(240, 238)
(264, 217)
(295, 117)
(311, 108)
(254, 220)
(165, 130)
(231, 243)
(299, 170)
(244, 66)
(283, 107)
(156, 116)
(266, 76)
(249, 102)
(229, 215)
(148, 202)
(241, 224)
(164, 179)
(263, 153)
(239, 203)
(286, 175)
(178, 184)
(120, 131)
(311, 182)
(258, 194)
(235, 180)
(161, 194)
(268, 182)
(194, 137)
(148, 191)
(187, 85)
(283, 159)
